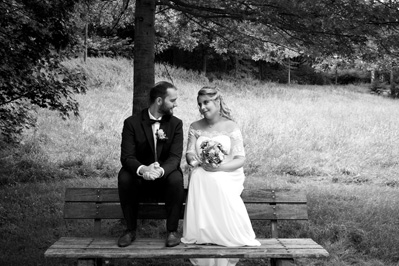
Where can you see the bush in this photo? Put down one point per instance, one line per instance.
(30, 70)
(379, 87)
(44, 83)
(110, 47)
(353, 76)
(306, 75)
(395, 91)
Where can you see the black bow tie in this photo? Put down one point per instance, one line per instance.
(152, 121)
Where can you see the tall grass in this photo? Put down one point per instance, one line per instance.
(294, 130)
(313, 132)
(340, 144)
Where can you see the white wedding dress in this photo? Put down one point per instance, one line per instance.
(215, 212)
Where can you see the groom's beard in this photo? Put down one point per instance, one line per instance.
(164, 110)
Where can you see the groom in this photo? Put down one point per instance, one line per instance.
(151, 151)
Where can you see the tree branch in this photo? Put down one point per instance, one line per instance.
(125, 5)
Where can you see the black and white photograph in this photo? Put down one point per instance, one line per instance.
(199, 132)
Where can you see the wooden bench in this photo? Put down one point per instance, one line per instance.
(103, 203)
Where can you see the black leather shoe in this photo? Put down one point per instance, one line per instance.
(127, 238)
(173, 239)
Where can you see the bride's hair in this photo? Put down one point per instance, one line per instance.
(214, 94)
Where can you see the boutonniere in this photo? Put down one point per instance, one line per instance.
(160, 134)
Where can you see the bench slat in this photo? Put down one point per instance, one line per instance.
(113, 211)
(277, 212)
(155, 248)
(80, 243)
(255, 196)
(275, 196)
(92, 194)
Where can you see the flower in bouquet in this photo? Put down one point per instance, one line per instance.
(212, 152)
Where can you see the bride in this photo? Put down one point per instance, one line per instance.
(215, 212)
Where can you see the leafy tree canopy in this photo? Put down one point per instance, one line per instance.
(269, 30)
(32, 32)
(325, 27)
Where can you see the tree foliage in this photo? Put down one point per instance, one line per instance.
(311, 27)
(326, 27)
(269, 30)
(32, 33)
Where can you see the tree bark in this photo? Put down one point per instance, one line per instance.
(85, 42)
(372, 76)
(394, 90)
(391, 77)
(381, 77)
(87, 12)
(144, 53)
(336, 74)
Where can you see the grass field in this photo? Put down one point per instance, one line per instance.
(340, 144)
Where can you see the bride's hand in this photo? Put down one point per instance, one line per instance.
(194, 163)
(210, 167)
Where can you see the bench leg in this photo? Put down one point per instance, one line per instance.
(90, 262)
(282, 262)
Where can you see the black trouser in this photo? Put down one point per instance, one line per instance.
(170, 188)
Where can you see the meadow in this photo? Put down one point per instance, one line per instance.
(339, 144)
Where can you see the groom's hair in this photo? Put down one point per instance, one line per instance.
(160, 90)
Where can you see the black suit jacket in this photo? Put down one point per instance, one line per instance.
(137, 147)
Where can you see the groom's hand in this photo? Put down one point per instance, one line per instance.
(157, 170)
(152, 172)
(149, 176)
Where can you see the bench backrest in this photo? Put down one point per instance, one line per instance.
(103, 203)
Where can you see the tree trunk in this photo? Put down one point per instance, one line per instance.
(372, 76)
(391, 77)
(336, 75)
(87, 12)
(144, 53)
(85, 43)
(394, 91)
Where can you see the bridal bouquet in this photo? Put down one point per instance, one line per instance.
(212, 152)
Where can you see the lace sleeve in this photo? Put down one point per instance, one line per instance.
(192, 139)
(237, 143)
